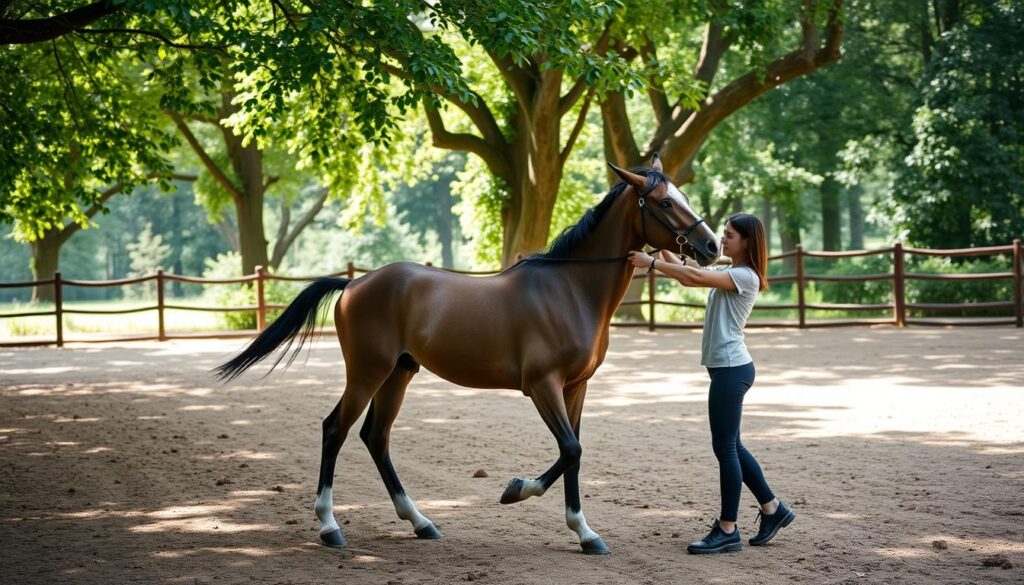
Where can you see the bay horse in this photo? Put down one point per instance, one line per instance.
(541, 326)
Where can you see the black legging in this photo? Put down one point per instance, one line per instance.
(736, 466)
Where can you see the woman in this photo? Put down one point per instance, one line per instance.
(731, 368)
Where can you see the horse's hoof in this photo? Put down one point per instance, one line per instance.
(595, 546)
(333, 539)
(513, 491)
(429, 532)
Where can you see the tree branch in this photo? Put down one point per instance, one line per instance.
(282, 231)
(68, 230)
(153, 34)
(442, 138)
(580, 120)
(211, 166)
(682, 146)
(655, 90)
(282, 244)
(480, 115)
(516, 78)
(19, 32)
(618, 130)
(569, 99)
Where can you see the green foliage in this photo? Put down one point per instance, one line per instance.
(148, 253)
(963, 183)
(481, 198)
(938, 291)
(241, 295)
(868, 293)
(73, 122)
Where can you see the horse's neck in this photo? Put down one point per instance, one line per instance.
(605, 283)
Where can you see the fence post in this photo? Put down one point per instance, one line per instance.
(1018, 296)
(58, 307)
(261, 301)
(898, 286)
(161, 332)
(351, 270)
(650, 299)
(801, 309)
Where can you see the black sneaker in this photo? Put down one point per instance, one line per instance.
(770, 525)
(716, 542)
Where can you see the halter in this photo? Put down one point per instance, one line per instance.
(682, 238)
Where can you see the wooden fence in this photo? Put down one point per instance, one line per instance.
(899, 307)
(898, 277)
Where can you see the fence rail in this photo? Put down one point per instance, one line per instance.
(898, 276)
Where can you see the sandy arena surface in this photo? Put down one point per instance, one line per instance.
(901, 451)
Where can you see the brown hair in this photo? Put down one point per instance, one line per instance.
(751, 229)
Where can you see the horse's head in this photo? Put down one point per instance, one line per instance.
(666, 219)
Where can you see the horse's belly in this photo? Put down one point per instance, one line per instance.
(482, 356)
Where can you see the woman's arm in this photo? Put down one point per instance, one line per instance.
(686, 275)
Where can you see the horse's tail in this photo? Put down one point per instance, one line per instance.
(298, 320)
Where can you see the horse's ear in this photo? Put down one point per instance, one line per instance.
(656, 162)
(636, 181)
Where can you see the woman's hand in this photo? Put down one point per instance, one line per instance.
(640, 259)
(670, 258)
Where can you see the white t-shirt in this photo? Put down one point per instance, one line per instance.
(722, 345)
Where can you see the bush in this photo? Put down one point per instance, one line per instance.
(238, 295)
(972, 291)
(870, 292)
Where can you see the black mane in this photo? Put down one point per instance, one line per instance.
(574, 235)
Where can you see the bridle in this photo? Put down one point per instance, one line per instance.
(682, 238)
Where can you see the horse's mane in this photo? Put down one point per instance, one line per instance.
(574, 235)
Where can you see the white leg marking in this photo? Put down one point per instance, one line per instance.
(324, 509)
(532, 487)
(578, 524)
(407, 511)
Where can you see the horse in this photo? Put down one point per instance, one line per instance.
(540, 326)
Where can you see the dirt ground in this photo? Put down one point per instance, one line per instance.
(902, 451)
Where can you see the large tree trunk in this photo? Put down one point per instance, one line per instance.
(831, 218)
(247, 162)
(766, 219)
(856, 215)
(789, 233)
(45, 262)
(537, 171)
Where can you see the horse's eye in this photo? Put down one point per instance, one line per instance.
(666, 204)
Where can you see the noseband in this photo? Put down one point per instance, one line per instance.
(682, 238)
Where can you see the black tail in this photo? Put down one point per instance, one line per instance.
(298, 320)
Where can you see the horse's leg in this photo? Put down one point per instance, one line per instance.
(589, 540)
(547, 397)
(361, 387)
(376, 433)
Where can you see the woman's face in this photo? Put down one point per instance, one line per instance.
(733, 244)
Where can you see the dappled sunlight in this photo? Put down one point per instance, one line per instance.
(195, 407)
(200, 525)
(251, 455)
(187, 479)
(36, 371)
(247, 551)
(443, 504)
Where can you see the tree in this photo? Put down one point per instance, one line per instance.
(68, 18)
(686, 110)
(963, 183)
(76, 131)
(549, 61)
